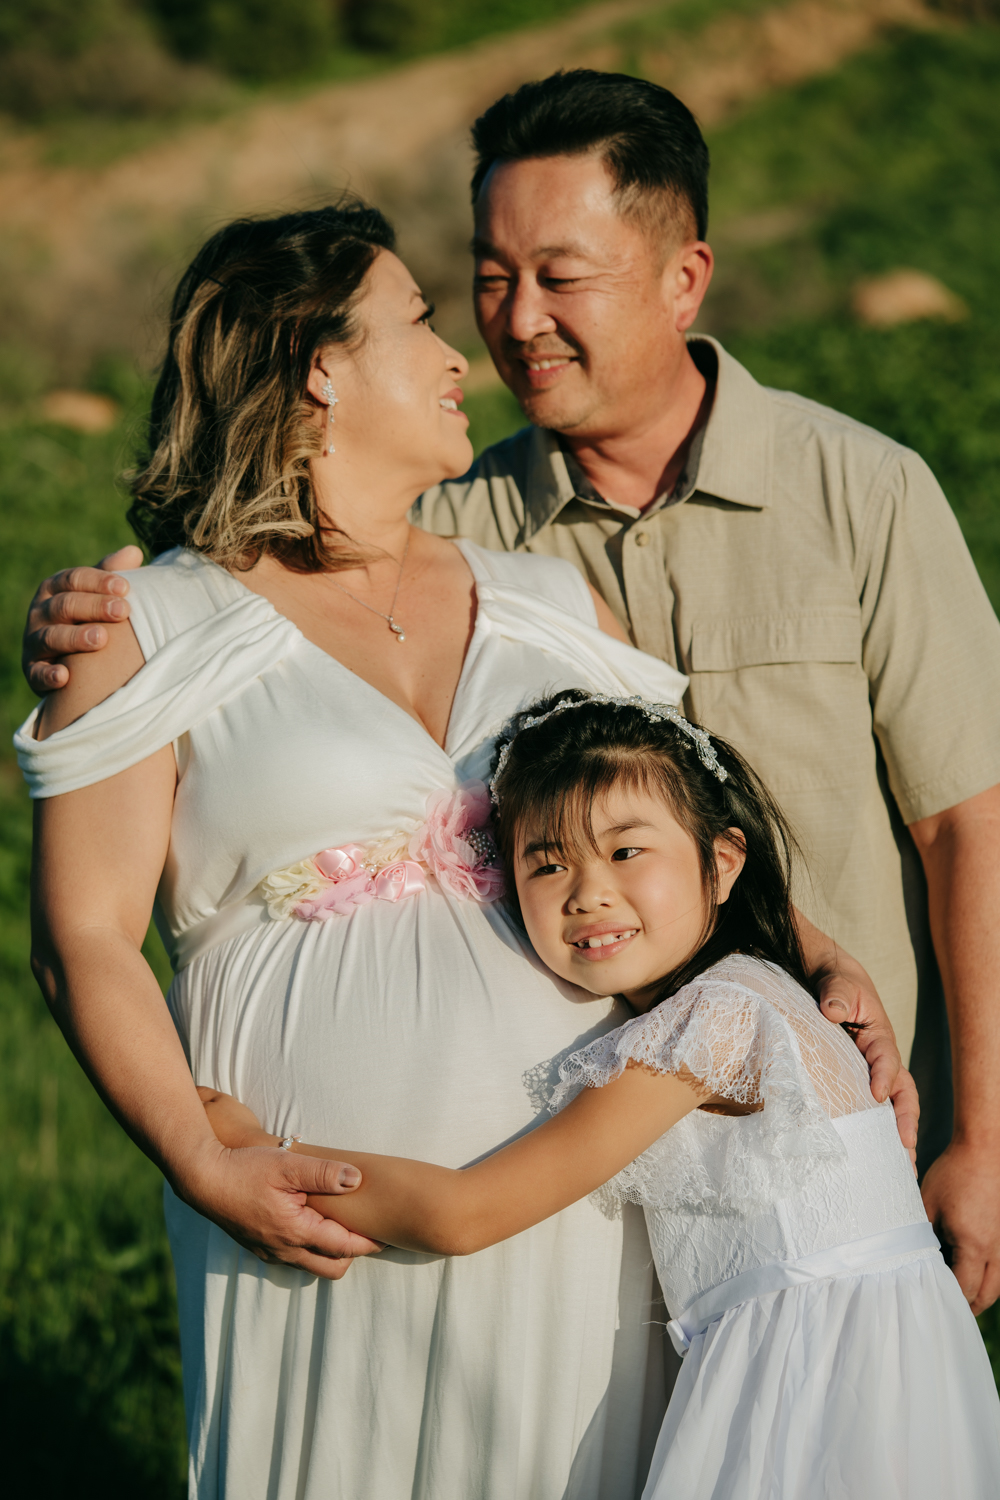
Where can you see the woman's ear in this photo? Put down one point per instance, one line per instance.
(320, 381)
(730, 857)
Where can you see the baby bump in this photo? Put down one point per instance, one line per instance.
(422, 1028)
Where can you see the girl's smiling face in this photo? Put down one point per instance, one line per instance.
(618, 915)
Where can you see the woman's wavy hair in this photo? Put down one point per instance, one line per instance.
(226, 469)
(555, 772)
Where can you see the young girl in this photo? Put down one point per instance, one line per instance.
(829, 1350)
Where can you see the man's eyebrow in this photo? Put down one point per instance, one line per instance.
(484, 249)
(552, 252)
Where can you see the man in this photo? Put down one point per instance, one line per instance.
(806, 572)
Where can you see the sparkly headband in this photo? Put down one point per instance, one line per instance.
(655, 713)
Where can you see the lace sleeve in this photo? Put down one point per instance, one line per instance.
(735, 1043)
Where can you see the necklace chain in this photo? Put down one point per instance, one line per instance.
(397, 630)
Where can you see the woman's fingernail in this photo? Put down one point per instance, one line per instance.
(349, 1177)
(838, 1006)
(116, 609)
(92, 637)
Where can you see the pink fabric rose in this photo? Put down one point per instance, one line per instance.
(404, 878)
(441, 843)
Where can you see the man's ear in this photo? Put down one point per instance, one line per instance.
(730, 857)
(687, 275)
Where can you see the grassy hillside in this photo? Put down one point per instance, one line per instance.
(895, 160)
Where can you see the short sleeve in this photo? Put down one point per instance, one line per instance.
(931, 646)
(549, 578)
(180, 685)
(177, 590)
(737, 1045)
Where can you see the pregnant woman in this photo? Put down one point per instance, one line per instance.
(284, 748)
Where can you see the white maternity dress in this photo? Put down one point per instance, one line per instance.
(420, 1027)
(830, 1352)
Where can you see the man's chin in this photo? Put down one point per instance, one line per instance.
(554, 409)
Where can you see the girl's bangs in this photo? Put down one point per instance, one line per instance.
(557, 812)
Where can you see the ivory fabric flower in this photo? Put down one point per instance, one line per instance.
(284, 890)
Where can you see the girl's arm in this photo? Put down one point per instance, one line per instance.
(97, 859)
(418, 1206)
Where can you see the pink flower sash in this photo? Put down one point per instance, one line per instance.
(454, 844)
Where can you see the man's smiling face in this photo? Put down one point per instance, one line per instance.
(582, 310)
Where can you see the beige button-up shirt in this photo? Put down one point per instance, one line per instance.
(811, 579)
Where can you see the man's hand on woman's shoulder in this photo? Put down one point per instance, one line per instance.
(64, 617)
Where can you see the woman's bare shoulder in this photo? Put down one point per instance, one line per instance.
(93, 676)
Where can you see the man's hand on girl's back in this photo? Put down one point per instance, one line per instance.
(64, 617)
(846, 999)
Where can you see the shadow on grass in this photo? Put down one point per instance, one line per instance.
(64, 1445)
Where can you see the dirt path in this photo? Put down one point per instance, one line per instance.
(81, 250)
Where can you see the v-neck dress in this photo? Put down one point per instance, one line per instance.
(423, 1027)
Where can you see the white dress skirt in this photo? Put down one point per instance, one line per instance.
(829, 1353)
(421, 1027)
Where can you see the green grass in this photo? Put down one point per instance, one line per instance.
(89, 1368)
(93, 137)
(894, 160)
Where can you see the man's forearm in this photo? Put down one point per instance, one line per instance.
(823, 956)
(961, 857)
(961, 1189)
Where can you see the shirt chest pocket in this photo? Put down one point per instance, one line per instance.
(790, 691)
(729, 644)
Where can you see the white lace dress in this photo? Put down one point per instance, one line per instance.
(830, 1354)
(420, 1027)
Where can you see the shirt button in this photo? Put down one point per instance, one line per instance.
(641, 538)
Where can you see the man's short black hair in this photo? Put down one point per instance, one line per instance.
(648, 139)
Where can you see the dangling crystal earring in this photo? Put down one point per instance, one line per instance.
(330, 397)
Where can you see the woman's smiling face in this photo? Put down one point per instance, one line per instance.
(617, 916)
(398, 397)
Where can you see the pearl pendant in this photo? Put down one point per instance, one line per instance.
(398, 632)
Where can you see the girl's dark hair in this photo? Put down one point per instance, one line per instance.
(227, 465)
(556, 770)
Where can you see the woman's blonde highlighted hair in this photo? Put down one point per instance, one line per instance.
(227, 466)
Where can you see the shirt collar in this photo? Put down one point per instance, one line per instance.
(733, 464)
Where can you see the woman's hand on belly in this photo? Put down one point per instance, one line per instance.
(258, 1194)
(271, 1186)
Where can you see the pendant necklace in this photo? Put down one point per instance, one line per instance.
(397, 630)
